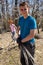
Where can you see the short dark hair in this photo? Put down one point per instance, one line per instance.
(23, 4)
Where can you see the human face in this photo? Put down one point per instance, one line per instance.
(24, 10)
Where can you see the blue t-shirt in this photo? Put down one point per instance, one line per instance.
(26, 25)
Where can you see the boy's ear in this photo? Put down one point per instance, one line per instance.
(28, 8)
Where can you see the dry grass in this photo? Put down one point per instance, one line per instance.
(12, 57)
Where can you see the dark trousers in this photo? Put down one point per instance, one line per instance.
(13, 33)
(31, 49)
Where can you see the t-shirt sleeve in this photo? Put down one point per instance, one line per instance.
(33, 24)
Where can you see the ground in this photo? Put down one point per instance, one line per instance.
(10, 54)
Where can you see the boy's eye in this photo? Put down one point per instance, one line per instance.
(21, 9)
(24, 9)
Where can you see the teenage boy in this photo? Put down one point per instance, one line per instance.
(27, 26)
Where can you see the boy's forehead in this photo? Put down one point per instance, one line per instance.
(23, 6)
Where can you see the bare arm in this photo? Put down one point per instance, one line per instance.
(30, 36)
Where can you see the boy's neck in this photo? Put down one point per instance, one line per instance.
(26, 16)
